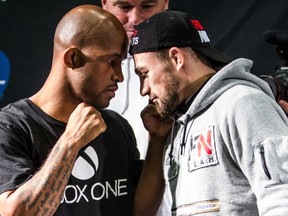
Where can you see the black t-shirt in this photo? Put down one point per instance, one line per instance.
(105, 171)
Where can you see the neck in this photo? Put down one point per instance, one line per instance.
(54, 100)
(195, 88)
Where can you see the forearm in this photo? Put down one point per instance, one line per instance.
(149, 192)
(41, 195)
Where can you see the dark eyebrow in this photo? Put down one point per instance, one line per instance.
(139, 69)
(112, 55)
(120, 2)
(150, 1)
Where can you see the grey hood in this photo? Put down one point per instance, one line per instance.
(235, 73)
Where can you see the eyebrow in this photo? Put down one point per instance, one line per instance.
(139, 69)
(112, 55)
(125, 1)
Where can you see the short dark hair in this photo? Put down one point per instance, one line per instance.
(163, 55)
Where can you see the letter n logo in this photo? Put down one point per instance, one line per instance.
(202, 149)
(204, 142)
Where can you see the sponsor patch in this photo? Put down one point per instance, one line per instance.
(197, 208)
(202, 150)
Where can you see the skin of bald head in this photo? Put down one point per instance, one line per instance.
(89, 46)
(132, 12)
(84, 26)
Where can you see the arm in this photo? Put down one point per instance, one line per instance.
(258, 129)
(149, 191)
(41, 195)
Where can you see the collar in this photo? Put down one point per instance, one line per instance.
(197, 86)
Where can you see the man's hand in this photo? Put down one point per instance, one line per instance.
(154, 123)
(84, 124)
(150, 188)
(284, 105)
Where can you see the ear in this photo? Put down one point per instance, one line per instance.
(103, 2)
(73, 58)
(177, 57)
(166, 3)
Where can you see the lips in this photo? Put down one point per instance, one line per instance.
(152, 100)
(130, 33)
(111, 90)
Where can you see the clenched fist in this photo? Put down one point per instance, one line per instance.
(154, 123)
(84, 124)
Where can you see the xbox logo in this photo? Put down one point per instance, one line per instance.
(84, 170)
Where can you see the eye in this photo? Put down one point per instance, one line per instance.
(143, 75)
(125, 7)
(114, 62)
(147, 6)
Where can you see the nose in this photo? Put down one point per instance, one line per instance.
(118, 75)
(144, 87)
(136, 16)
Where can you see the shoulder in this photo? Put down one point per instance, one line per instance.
(14, 125)
(14, 112)
(111, 115)
(240, 96)
(245, 105)
(18, 116)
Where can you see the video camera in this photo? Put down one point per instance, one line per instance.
(279, 80)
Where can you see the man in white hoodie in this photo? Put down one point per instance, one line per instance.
(227, 151)
(128, 102)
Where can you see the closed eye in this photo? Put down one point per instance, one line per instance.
(147, 6)
(114, 61)
(141, 73)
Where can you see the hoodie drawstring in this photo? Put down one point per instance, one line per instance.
(182, 145)
(126, 85)
(172, 142)
(183, 142)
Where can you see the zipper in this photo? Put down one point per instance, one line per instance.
(263, 162)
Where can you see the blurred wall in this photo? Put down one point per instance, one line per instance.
(27, 28)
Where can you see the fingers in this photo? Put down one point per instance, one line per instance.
(85, 124)
(284, 105)
(154, 123)
(149, 110)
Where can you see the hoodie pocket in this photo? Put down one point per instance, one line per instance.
(263, 161)
(271, 158)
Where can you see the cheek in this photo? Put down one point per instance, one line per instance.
(94, 76)
(165, 81)
(155, 10)
(158, 85)
(122, 17)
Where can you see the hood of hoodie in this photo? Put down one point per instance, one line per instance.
(235, 73)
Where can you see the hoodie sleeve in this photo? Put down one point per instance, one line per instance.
(255, 131)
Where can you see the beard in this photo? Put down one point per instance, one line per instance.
(171, 100)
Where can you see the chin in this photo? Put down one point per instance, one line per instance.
(130, 34)
(104, 105)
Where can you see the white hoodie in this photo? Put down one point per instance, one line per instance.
(129, 103)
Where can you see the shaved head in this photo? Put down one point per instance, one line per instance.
(86, 26)
(89, 46)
